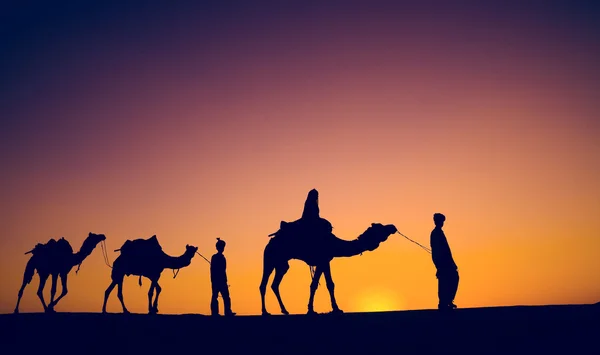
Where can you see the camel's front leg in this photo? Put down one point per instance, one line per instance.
(106, 294)
(158, 289)
(313, 288)
(64, 291)
(150, 294)
(120, 296)
(40, 291)
(280, 271)
(331, 287)
(267, 270)
(53, 289)
(153, 306)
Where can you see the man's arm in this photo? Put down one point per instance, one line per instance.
(435, 249)
(440, 251)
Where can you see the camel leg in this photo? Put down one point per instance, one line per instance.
(40, 291)
(27, 277)
(279, 273)
(331, 287)
(64, 291)
(313, 289)
(158, 289)
(20, 295)
(106, 294)
(120, 296)
(267, 270)
(53, 289)
(150, 294)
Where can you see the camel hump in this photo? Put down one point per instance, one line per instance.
(63, 246)
(304, 226)
(52, 246)
(144, 246)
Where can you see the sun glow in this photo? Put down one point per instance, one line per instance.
(378, 301)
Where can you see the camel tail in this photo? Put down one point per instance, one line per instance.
(140, 281)
(29, 272)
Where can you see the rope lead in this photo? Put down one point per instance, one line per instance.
(424, 248)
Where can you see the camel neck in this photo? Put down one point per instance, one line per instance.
(177, 262)
(85, 250)
(347, 248)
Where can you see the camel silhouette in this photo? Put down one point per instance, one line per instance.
(144, 257)
(55, 258)
(315, 251)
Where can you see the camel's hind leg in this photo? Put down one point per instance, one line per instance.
(267, 270)
(27, 277)
(280, 271)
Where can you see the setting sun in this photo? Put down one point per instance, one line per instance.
(378, 301)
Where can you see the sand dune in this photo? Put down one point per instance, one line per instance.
(573, 329)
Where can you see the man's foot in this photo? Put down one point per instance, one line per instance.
(230, 314)
(448, 307)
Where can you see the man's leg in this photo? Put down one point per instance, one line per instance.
(214, 302)
(444, 300)
(453, 287)
(226, 300)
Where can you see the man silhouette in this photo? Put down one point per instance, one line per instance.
(311, 220)
(447, 271)
(311, 206)
(218, 278)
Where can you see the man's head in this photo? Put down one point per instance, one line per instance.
(220, 245)
(439, 219)
(313, 195)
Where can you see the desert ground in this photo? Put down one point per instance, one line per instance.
(571, 329)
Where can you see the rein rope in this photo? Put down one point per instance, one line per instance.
(424, 248)
(312, 268)
(105, 253)
(203, 257)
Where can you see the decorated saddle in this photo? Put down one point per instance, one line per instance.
(52, 246)
(141, 246)
(304, 226)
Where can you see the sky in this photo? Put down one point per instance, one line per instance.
(192, 122)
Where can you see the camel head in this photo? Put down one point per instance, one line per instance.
(94, 238)
(376, 234)
(91, 241)
(190, 251)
